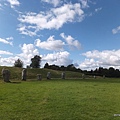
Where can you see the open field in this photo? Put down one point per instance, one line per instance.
(82, 99)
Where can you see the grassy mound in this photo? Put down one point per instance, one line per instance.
(32, 73)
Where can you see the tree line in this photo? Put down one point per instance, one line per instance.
(107, 72)
(36, 60)
(110, 72)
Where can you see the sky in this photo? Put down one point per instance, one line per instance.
(85, 33)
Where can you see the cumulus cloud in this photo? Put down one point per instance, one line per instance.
(116, 30)
(55, 18)
(13, 3)
(71, 41)
(58, 58)
(106, 58)
(28, 51)
(50, 44)
(53, 2)
(8, 61)
(89, 64)
(7, 40)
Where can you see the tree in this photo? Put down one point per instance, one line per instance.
(71, 67)
(35, 62)
(46, 65)
(18, 63)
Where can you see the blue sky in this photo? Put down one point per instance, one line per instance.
(85, 33)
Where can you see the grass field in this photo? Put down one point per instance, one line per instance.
(83, 99)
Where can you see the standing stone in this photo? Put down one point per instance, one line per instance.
(39, 76)
(103, 76)
(63, 75)
(83, 76)
(24, 74)
(48, 75)
(6, 75)
(94, 77)
(3, 73)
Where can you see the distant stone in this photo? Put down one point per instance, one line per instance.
(6, 75)
(48, 75)
(83, 76)
(24, 74)
(63, 75)
(103, 76)
(39, 76)
(94, 77)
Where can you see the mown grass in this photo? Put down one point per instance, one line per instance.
(83, 99)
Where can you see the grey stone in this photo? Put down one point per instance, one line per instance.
(24, 74)
(83, 76)
(103, 76)
(94, 77)
(39, 76)
(48, 75)
(63, 75)
(6, 75)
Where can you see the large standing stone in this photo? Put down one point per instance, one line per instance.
(6, 75)
(24, 74)
(63, 75)
(48, 75)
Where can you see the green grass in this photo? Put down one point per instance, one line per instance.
(83, 99)
(32, 73)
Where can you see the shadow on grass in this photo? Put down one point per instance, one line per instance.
(16, 82)
(13, 82)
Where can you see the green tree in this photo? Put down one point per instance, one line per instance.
(71, 67)
(18, 63)
(46, 65)
(35, 62)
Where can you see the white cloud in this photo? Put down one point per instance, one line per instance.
(84, 3)
(53, 2)
(7, 40)
(71, 41)
(104, 58)
(5, 52)
(8, 61)
(0, 6)
(116, 30)
(13, 3)
(55, 18)
(25, 30)
(58, 58)
(28, 51)
(50, 44)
